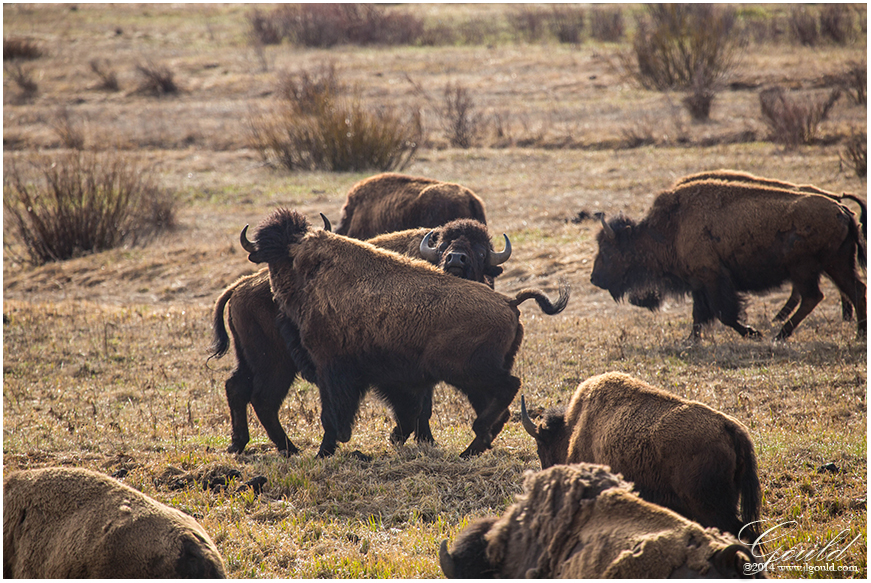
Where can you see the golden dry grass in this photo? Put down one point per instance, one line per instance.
(105, 356)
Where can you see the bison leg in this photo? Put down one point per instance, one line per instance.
(491, 404)
(412, 408)
(722, 302)
(843, 274)
(788, 307)
(810, 297)
(341, 392)
(238, 388)
(268, 395)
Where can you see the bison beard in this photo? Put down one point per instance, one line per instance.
(370, 318)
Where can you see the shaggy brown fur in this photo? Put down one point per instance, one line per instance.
(265, 369)
(75, 523)
(582, 522)
(370, 317)
(736, 176)
(394, 202)
(680, 454)
(715, 239)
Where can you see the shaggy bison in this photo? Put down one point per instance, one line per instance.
(265, 369)
(77, 523)
(390, 202)
(582, 522)
(680, 454)
(715, 239)
(366, 317)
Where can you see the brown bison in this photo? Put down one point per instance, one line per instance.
(366, 317)
(583, 522)
(61, 523)
(716, 239)
(736, 176)
(394, 202)
(681, 454)
(265, 368)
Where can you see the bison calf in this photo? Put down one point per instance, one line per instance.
(716, 239)
(390, 202)
(582, 522)
(680, 454)
(366, 317)
(265, 368)
(75, 523)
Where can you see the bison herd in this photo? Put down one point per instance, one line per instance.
(414, 304)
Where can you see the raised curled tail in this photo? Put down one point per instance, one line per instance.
(747, 478)
(542, 300)
(220, 338)
(863, 214)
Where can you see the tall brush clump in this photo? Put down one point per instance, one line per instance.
(689, 47)
(794, 121)
(315, 127)
(83, 202)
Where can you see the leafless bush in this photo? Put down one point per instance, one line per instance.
(108, 78)
(528, 22)
(306, 90)
(606, 24)
(836, 23)
(21, 77)
(698, 101)
(856, 154)
(158, 80)
(69, 132)
(457, 114)
(567, 23)
(793, 122)
(20, 48)
(803, 24)
(855, 82)
(326, 25)
(83, 202)
(266, 29)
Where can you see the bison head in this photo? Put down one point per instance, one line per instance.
(462, 248)
(469, 557)
(551, 435)
(617, 268)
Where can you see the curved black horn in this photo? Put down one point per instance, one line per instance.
(446, 560)
(246, 244)
(427, 252)
(528, 424)
(606, 227)
(327, 226)
(502, 256)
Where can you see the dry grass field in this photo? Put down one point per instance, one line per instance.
(104, 356)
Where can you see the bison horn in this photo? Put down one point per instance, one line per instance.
(327, 226)
(502, 256)
(427, 252)
(246, 244)
(528, 424)
(606, 227)
(446, 560)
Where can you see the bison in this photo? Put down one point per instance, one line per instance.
(736, 176)
(76, 523)
(390, 202)
(265, 368)
(366, 317)
(717, 239)
(582, 522)
(681, 454)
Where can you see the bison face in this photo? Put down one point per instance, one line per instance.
(612, 267)
(469, 557)
(551, 436)
(462, 248)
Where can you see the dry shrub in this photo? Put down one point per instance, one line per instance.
(108, 78)
(158, 80)
(606, 24)
(803, 24)
(567, 23)
(23, 79)
(69, 132)
(856, 154)
(20, 48)
(837, 24)
(528, 22)
(266, 29)
(791, 121)
(327, 25)
(457, 114)
(306, 90)
(83, 202)
(314, 128)
(854, 81)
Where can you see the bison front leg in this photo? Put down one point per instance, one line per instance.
(341, 393)
(723, 302)
(412, 408)
(238, 388)
(491, 405)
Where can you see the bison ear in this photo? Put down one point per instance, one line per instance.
(446, 560)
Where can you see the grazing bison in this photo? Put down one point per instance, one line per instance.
(680, 454)
(366, 317)
(582, 522)
(265, 368)
(736, 176)
(390, 202)
(77, 523)
(716, 239)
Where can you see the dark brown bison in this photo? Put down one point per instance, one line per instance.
(583, 522)
(737, 176)
(366, 317)
(681, 454)
(394, 202)
(61, 523)
(716, 239)
(265, 369)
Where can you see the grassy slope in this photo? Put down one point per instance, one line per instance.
(104, 356)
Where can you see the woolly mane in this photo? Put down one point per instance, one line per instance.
(281, 228)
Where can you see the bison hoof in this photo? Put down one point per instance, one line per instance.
(235, 448)
(358, 455)
(288, 452)
(753, 334)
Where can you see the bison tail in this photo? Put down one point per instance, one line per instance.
(748, 482)
(220, 338)
(542, 300)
